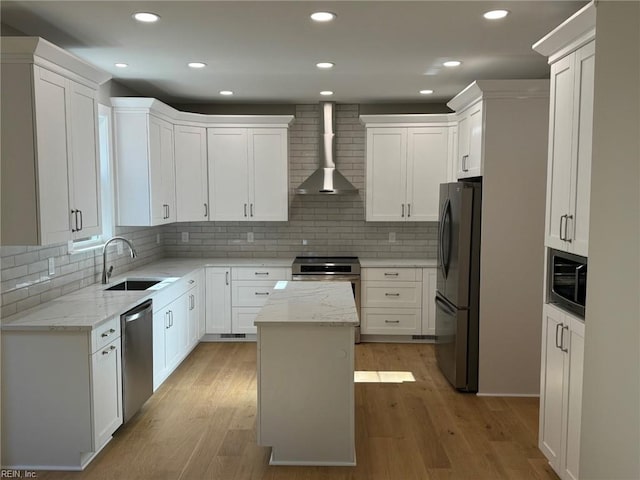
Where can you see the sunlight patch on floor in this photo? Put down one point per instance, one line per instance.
(361, 376)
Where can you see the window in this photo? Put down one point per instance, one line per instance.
(106, 185)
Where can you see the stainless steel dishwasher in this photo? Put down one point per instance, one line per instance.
(137, 358)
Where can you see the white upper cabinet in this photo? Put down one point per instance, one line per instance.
(145, 167)
(469, 160)
(407, 160)
(50, 164)
(192, 191)
(571, 52)
(248, 178)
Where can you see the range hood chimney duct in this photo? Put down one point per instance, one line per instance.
(327, 180)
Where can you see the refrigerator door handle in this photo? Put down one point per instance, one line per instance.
(444, 306)
(445, 211)
(446, 224)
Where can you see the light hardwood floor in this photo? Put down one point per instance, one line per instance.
(201, 425)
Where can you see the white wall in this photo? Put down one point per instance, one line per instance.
(610, 435)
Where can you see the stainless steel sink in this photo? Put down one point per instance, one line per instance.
(134, 285)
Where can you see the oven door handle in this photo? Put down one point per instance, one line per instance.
(328, 277)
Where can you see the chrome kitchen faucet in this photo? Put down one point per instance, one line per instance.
(107, 273)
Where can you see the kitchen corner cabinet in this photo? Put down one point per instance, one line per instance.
(192, 192)
(405, 166)
(78, 376)
(145, 163)
(50, 161)
(569, 167)
(248, 179)
(561, 390)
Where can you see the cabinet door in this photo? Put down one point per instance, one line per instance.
(464, 131)
(192, 201)
(428, 301)
(168, 171)
(386, 174)
(218, 300)
(426, 170)
(551, 386)
(52, 149)
(560, 146)
(85, 185)
(176, 333)
(158, 206)
(106, 392)
(193, 315)
(581, 166)
(269, 183)
(474, 164)
(228, 173)
(160, 325)
(574, 343)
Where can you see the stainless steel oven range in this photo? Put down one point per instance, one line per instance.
(344, 269)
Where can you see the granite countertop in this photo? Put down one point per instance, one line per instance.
(309, 303)
(398, 262)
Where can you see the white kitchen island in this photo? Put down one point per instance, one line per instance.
(305, 374)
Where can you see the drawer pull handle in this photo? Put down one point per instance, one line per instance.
(390, 274)
(262, 293)
(106, 334)
(261, 273)
(392, 321)
(392, 294)
(109, 350)
(191, 281)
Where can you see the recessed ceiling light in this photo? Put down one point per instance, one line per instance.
(326, 93)
(146, 17)
(121, 65)
(197, 64)
(322, 16)
(325, 65)
(226, 92)
(426, 92)
(452, 63)
(496, 14)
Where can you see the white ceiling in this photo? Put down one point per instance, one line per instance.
(266, 51)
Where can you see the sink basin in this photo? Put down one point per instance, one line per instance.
(134, 285)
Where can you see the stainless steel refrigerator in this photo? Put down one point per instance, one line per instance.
(458, 285)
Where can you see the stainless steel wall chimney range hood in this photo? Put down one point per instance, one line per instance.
(327, 180)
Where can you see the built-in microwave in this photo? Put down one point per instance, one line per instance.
(567, 281)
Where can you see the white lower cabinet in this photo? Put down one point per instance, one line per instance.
(429, 278)
(391, 301)
(218, 300)
(175, 327)
(77, 376)
(561, 390)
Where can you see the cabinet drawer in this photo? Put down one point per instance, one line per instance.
(251, 294)
(392, 274)
(105, 333)
(260, 273)
(389, 321)
(392, 294)
(242, 319)
(169, 293)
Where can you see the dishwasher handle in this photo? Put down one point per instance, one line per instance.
(137, 312)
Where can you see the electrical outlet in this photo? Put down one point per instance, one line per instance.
(52, 266)
(158, 238)
(304, 242)
(120, 248)
(185, 237)
(392, 237)
(250, 237)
